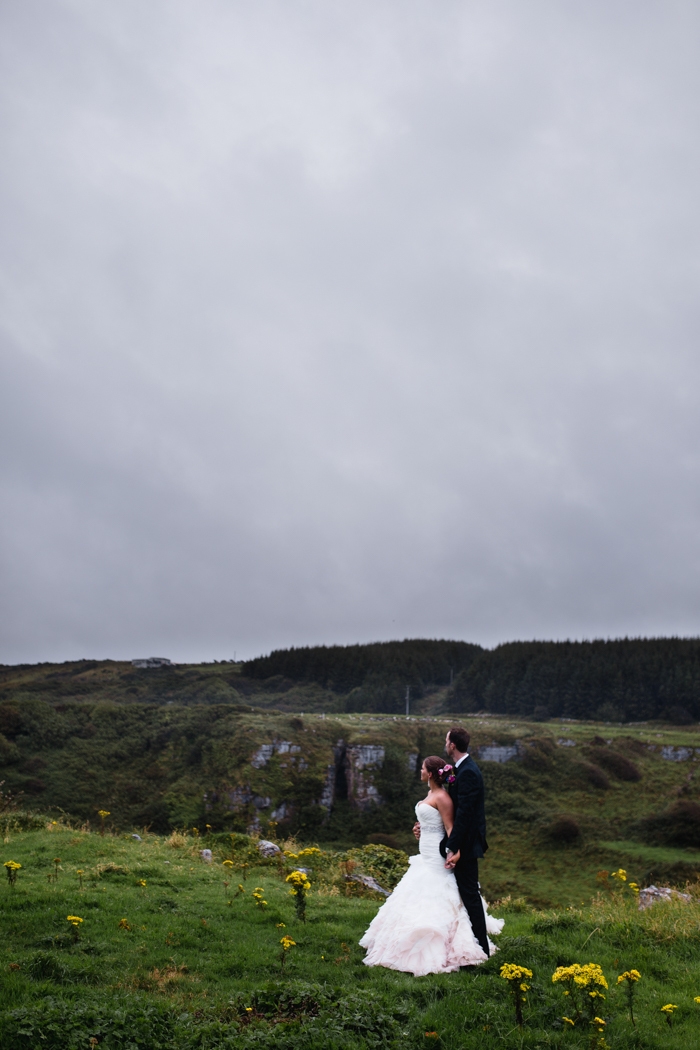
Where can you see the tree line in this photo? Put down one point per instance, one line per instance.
(342, 668)
(629, 679)
(625, 680)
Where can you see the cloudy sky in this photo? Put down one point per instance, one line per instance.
(333, 322)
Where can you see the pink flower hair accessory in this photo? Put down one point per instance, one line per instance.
(447, 774)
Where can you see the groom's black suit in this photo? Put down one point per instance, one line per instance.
(469, 837)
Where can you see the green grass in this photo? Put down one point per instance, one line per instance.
(200, 965)
(652, 854)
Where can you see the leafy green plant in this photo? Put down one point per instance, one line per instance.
(386, 865)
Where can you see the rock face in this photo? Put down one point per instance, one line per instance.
(677, 754)
(496, 753)
(353, 775)
(265, 752)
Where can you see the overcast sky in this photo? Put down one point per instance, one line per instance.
(343, 321)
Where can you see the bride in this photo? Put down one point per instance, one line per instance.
(423, 927)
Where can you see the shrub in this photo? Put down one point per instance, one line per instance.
(539, 753)
(620, 766)
(379, 839)
(563, 829)
(679, 825)
(594, 775)
(386, 865)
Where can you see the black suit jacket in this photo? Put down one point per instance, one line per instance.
(469, 829)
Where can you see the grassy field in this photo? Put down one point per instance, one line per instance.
(171, 953)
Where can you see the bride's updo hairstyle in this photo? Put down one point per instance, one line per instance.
(433, 765)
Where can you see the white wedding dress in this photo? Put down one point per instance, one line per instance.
(424, 927)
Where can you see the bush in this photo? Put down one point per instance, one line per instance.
(594, 775)
(563, 829)
(620, 766)
(387, 866)
(379, 839)
(538, 753)
(679, 825)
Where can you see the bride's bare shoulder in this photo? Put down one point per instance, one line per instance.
(425, 802)
(444, 803)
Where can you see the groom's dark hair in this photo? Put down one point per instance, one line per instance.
(460, 738)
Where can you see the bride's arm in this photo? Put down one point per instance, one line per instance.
(446, 809)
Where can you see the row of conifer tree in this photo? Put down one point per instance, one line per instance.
(620, 680)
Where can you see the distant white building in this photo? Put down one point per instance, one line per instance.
(152, 661)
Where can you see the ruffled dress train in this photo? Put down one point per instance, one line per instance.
(424, 927)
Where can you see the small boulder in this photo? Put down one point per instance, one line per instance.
(369, 883)
(137, 837)
(268, 849)
(206, 856)
(652, 894)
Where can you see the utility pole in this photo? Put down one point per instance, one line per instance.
(408, 698)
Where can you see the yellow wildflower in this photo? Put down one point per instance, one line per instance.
(629, 975)
(583, 976)
(511, 972)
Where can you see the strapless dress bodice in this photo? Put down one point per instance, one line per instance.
(429, 818)
(432, 831)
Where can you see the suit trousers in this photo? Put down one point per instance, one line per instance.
(467, 874)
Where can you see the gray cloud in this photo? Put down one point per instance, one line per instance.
(328, 322)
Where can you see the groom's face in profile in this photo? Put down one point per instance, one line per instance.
(449, 746)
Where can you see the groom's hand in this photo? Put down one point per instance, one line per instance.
(451, 860)
(416, 829)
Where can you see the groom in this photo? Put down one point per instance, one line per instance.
(467, 841)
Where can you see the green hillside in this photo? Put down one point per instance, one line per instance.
(218, 753)
(191, 746)
(166, 952)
